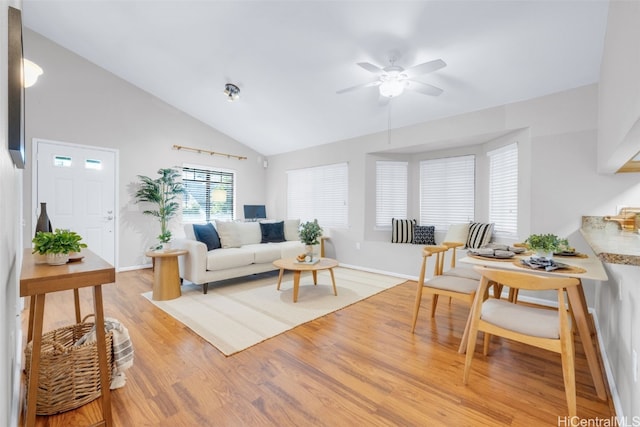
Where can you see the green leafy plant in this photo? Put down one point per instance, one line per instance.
(309, 232)
(57, 242)
(546, 243)
(163, 192)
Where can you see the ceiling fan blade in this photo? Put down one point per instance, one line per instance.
(427, 67)
(360, 86)
(424, 88)
(370, 67)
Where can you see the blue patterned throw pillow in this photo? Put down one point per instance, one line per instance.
(424, 235)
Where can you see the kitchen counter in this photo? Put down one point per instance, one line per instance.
(609, 242)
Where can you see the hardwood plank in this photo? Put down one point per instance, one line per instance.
(359, 365)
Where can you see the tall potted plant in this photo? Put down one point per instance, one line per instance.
(163, 192)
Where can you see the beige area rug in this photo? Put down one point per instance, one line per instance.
(241, 313)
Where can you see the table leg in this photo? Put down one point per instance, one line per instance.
(76, 301)
(102, 356)
(315, 277)
(37, 308)
(32, 311)
(580, 315)
(280, 278)
(166, 279)
(333, 280)
(296, 284)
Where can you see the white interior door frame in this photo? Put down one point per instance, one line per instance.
(34, 185)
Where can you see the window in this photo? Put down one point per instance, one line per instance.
(209, 195)
(503, 189)
(447, 191)
(319, 193)
(391, 191)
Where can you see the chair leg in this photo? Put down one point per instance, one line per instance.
(569, 373)
(434, 303)
(486, 342)
(416, 305)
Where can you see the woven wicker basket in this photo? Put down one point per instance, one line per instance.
(69, 376)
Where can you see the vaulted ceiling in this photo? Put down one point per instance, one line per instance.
(290, 57)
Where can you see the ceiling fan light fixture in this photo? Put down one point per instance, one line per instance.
(231, 91)
(392, 87)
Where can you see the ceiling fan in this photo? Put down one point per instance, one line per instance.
(393, 80)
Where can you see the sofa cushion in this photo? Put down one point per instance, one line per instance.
(229, 258)
(291, 249)
(264, 252)
(249, 232)
(229, 236)
(207, 234)
(457, 233)
(402, 230)
(188, 232)
(424, 235)
(291, 228)
(272, 232)
(479, 234)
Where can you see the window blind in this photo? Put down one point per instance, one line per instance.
(319, 193)
(209, 195)
(391, 191)
(447, 191)
(503, 189)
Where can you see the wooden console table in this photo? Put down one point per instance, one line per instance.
(37, 280)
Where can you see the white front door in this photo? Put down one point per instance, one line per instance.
(78, 184)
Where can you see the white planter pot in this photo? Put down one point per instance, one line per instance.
(57, 259)
(545, 255)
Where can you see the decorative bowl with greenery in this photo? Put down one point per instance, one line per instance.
(163, 192)
(546, 244)
(57, 245)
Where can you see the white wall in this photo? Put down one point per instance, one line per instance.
(619, 119)
(10, 251)
(78, 102)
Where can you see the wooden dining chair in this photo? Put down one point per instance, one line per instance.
(542, 327)
(460, 288)
(453, 270)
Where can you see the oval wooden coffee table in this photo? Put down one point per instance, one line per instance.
(298, 267)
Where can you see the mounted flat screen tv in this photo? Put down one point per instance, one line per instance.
(254, 212)
(15, 89)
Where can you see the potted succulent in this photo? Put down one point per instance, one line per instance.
(545, 245)
(57, 245)
(163, 192)
(309, 233)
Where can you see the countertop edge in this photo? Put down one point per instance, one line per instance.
(606, 254)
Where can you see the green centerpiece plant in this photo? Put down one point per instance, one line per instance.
(545, 245)
(163, 192)
(310, 233)
(57, 245)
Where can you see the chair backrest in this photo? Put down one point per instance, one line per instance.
(427, 251)
(529, 281)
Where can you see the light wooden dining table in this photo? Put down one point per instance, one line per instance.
(589, 267)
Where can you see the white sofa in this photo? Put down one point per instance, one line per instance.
(241, 254)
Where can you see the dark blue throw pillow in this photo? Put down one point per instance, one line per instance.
(208, 235)
(424, 235)
(272, 232)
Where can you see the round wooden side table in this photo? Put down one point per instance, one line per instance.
(166, 274)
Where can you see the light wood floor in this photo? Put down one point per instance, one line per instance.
(358, 366)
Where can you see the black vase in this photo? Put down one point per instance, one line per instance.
(43, 224)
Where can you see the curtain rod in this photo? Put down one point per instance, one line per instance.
(211, 153)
